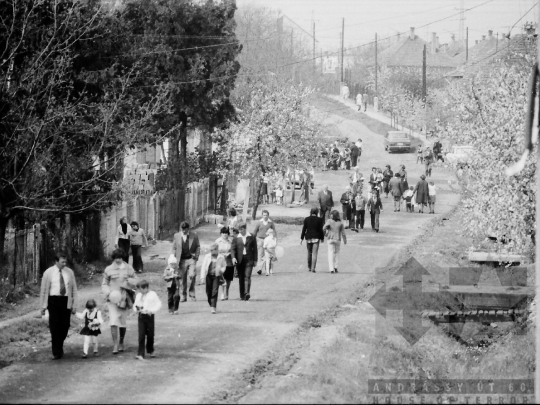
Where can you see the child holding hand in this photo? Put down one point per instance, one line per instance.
(92, 320)
(147, 303)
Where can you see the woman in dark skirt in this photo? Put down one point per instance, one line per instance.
(403, 178)
(224, 247)
(122, 238)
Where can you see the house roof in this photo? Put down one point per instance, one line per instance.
(487, 58)
(409, 52)
(481, 50)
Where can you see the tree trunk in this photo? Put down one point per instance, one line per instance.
(256, 206)
(69, 246)
(3, 228)
(293, 184)
(183, 172)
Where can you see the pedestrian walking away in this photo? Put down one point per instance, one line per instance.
(422, 193)
(373, 178)
(138, 240)
(122, 238)
(432, 191)
(408, 197)
(212, 269)
(186, 248)
(58, 296)
(173, 283)
(360, 203)
(269, 246)
(335, 233)
(313, 233)
(354, 155)
(147, 304)
(359, 101)
(403, 178)
(347, 200)
(326, 202)
(92, 321)
(224, 248)
(260, 232)
(388, 174)
(365, 101)
(428, 161)
(375, 208)
(395, 190)
(119, 278)
(419, 154)
(244, 257)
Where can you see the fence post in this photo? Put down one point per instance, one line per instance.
(37, 250)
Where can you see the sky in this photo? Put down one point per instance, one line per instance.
(364, 18)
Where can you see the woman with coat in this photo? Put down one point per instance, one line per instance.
(335, 233)
(422, 193)
(403, 178)
(387, 176)
(395, 189)
(224, 248)
(212, 269)
(122, 238)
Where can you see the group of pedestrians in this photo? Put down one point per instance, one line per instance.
(428, 156)
(131, 236)
(342, 154)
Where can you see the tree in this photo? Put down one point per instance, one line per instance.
(64, 130)
(272, 133)
(489, 115)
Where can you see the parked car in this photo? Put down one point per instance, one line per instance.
(459, 155)
(397, 141)
(298, 177)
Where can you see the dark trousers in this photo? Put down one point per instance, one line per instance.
(124, 245)
(136, 251)
(59, 320)
(324, 212)
(312, 252)
(173, 296)
(354, 160)
(244, 270)
(146, 333)
(348, 164)
(374, 220)
(212, 289)
(360, 217)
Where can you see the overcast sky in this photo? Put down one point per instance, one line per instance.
(386, 17)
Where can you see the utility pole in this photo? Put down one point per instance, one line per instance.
(467, 45)
(342, 42)
(497, 43)
(376, 67)
(314, 64)
(537, 266)
(424, 67)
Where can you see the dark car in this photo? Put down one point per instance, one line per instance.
(397, 141)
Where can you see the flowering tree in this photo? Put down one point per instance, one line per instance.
(489, 115)
(273, 132)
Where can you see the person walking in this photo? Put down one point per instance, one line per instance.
(365, 101)
(324, 159)
(119, 277)
(232, 221)
(171, 278)
(360, 210)
(58, 295)
(244, 257)
(122, 238)
(432, 197)
(359, 101)
(269, 246)
(375, 208)
(313, 233)
(373, 178)
(358, 144)
(395, 189)
(138, 240)
(388, 174)
(354, 155)
(212, 269)
(224, 248)
(186, 248)
(422, 193)
(147, 304)
(403, 178)
(261, 232)
(346, 201)
(428, 161)
(335, 233)
(92, 321)
(419, 154)
(326, 202)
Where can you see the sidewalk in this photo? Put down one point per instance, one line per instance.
(376, 115)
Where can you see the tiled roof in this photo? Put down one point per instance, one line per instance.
(512, 51)
(408, 52)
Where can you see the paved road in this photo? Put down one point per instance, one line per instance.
(198, 350)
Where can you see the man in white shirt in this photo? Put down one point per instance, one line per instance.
(147, 303)
(59, 297)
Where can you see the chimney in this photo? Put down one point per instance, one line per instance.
(490, 34)
(411, 34)
(434, 43)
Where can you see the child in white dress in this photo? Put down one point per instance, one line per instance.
(269, 246)
(92, 320)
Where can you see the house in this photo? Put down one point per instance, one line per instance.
(485, 58)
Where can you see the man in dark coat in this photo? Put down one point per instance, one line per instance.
(313, 232)
(347, 201)
(326, 202)
(375, 208)
(395, 188)
(354, 155)
(422, 193)
(244, 257)
(186, 248)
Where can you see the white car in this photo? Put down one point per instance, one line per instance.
(459, 155)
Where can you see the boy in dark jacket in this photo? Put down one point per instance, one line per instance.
(313, 232)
